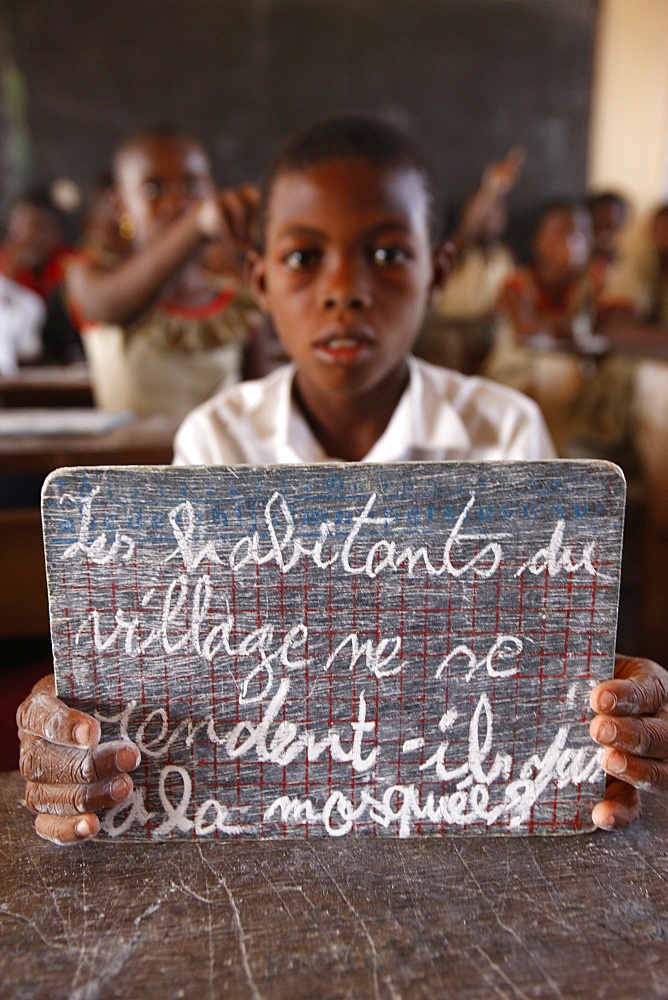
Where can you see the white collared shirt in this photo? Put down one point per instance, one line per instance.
(442, 415)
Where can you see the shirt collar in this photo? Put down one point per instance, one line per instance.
(423, 426)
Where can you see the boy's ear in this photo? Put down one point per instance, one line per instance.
(256, 277)
(442, 262)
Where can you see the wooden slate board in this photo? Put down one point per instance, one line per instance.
(321, 650)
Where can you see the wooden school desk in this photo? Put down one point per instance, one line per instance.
(23, 601)
(47, 385)
(462, 918)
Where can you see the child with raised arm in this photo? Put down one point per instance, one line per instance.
(346, 269)
(161, 330)
(458, 330)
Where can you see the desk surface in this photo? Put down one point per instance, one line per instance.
(142, 441)
(572, 917)
(47, 385)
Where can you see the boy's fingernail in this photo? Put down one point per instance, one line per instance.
(607, 701)
(82, 734)
(606, 732)
(119, 789)
(615, 761)
(126, 759)
(82, 829)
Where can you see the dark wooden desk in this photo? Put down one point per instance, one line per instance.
(142, 441)
(572, 918)
(23, 600)
(47, 385)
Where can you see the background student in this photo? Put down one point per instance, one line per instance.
(458, 330)
(162, 329)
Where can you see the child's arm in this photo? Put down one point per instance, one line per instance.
(121, 294)
(69, 774)
(497, 181)
(516, 302)
(632, 724)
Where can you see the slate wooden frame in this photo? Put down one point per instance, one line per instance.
(333, 649)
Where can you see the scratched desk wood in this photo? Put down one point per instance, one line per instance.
(578, 918)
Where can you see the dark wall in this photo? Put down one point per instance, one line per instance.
(471, 77)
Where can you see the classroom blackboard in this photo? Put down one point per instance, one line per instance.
(327, 650)
(469, 77)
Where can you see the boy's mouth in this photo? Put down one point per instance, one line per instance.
(342, 346)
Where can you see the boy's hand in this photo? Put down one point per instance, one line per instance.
(69, 773)
(239, 209)
(499, 177)
(632, 725)
(229, 222)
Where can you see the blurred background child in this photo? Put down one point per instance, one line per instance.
(161, 328)
(458, 330)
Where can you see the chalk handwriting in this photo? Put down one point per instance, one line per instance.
(280, 745)
(482, 793)
(97, 549)
(279, 545)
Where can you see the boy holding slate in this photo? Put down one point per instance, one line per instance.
(345, 270)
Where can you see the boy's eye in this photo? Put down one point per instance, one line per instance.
(390, 256)
(196, 186)
(151, 190)
(297, 260)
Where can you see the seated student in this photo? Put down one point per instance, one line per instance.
(547, 314)
(34, 249)
(609, 213)
(345, 268)
(459, 327)
(34, 256)
(637, 291)
(22, 315)
(635, 304)
(161, 329)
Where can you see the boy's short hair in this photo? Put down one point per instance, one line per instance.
(570, 206)
(609, 199)
(343, 137)
(149, 133)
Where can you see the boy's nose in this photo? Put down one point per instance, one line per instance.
(346, 288)
(347, 300)
(175, 200)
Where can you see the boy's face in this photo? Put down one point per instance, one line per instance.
(563, 239)
(346, 272)
(158, 179)
(607, 218)
(34, 231)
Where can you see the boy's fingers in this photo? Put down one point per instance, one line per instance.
(239, 209)
(42, 714)
(67, 829)
(640, 687)
(47, 684)
(70, 800)
(642, 772)
(619, 808)
(643, 737)
(41, 761)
